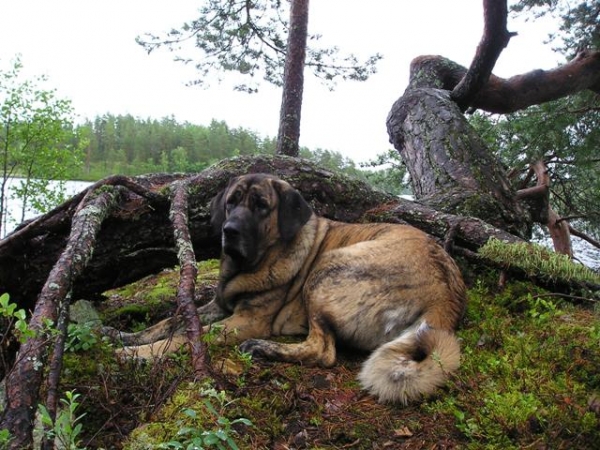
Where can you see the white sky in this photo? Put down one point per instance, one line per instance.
(88, 51)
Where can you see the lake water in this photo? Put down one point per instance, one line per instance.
(15, 209)
(584, 252)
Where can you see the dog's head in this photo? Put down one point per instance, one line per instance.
(254, 212)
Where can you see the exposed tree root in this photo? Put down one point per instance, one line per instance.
(187, 279)
(23, 382)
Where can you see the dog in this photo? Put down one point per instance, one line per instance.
(388, 289)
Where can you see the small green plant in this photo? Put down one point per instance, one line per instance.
(4, 439)
(542, 309)
(80, 337)
(17, 318)
(66, 427)
(194, 438)
(244, 357)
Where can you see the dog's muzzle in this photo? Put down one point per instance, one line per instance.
(239, 236)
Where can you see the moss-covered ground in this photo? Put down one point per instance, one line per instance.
(530, 378)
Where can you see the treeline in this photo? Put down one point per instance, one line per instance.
(127, 145)
(131, 146)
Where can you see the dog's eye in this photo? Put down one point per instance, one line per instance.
(233, 200)
(260, 203)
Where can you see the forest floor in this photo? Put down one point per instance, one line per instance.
(529, 379)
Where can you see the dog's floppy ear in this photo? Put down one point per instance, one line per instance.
(294, 211)
(217, 210)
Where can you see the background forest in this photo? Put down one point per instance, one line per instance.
(564, 133)
(132, 146)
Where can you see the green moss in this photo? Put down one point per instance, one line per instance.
(83, 367)
(208, 269)
(528, 372)
(536, 260)
(140, 304)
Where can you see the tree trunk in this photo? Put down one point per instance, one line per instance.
(451, 168)
(137, 239)
(288, 138)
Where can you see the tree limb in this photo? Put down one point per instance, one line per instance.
(467, 232)
(503, 96)
(495, 38)
(584, 236)
(54, 370)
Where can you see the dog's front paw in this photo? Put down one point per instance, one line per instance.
(258, 348)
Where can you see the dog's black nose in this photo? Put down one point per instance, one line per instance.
(231, 229)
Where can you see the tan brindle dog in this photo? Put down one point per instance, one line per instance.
(388, 289)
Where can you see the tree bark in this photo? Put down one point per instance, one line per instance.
(187, 278)
(288, 138)
(451, 169)
(504, 96)
(54, 371)
(495, 39)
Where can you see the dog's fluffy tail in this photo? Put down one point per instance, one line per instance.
(412, 366)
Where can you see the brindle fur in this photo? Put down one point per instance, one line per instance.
(383, 288)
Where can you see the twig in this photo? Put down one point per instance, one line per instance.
(572, 297)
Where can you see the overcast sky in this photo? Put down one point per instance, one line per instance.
(88, 51)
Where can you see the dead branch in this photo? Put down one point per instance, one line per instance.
(584, 236)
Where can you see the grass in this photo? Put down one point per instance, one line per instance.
(529, 379)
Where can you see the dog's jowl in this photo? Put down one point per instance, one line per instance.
(386, 289)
